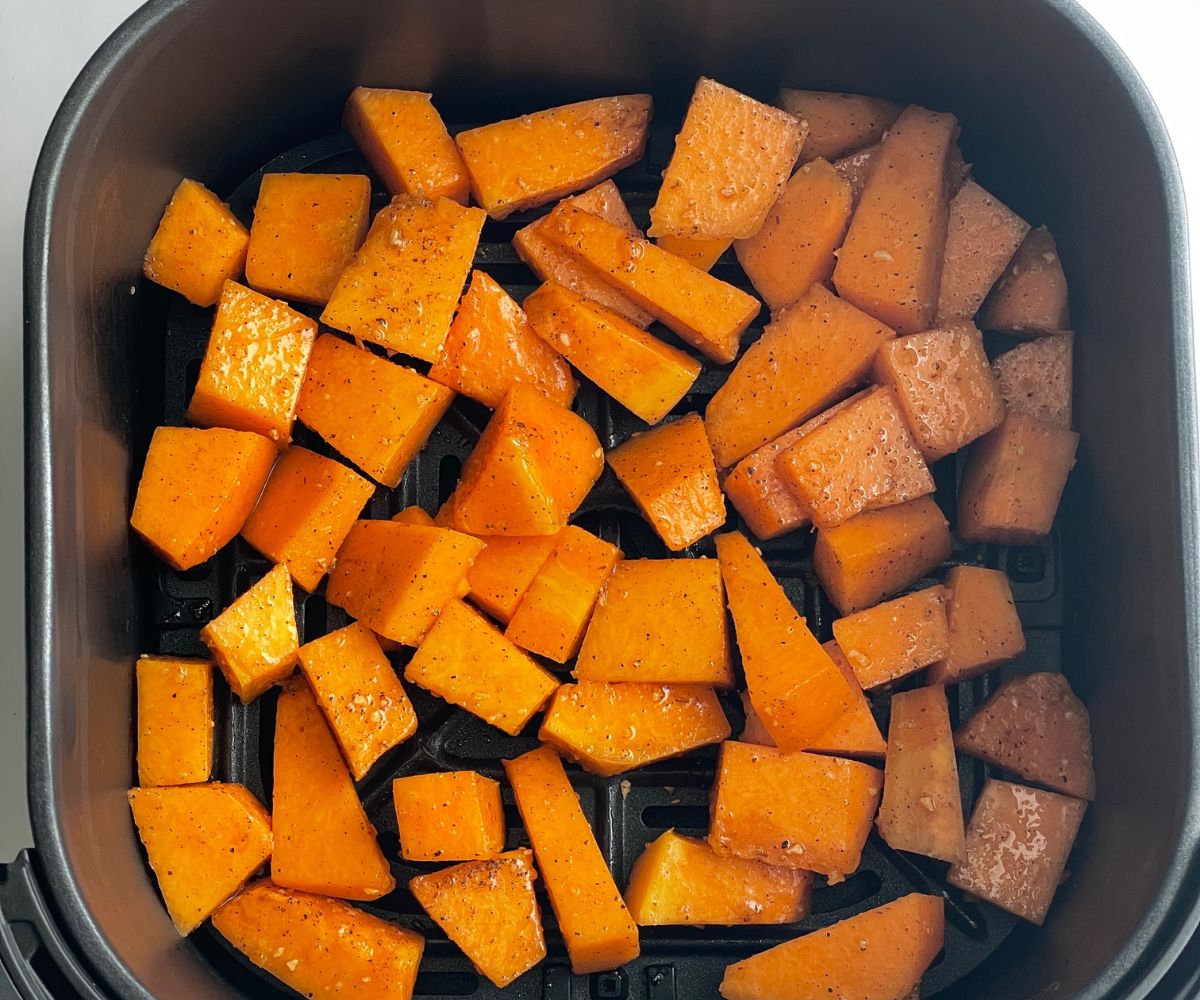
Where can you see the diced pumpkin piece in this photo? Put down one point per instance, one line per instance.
(414, 515)
(324, 842)
(488, 909)
(528, 161)
(732, 157)
(448, 816)
(466, 661)
(396, 578)
(317, 945)
(306, 228)
(203, 842)
(810, 355)
(198, 246)
(1035, 727)
(401, 288)
(1035, 379)
(611, 728)
(1014, 480)
(880, 954)
(1017, 846)
(856, 733)
(944, 385)
(697, 252)
(406, 142)
(503, 571)
(985, 629)
(837, 123)
(376, 413)
(890, 264)
(307, 508)
(896, 638)
(196, 490)
(796, 810)
(639, 371)
(1030, 299)
(596, 927)
(174, 721)
(768, 508)
(661, 621)
(491, 347)
(680, 880)
(530, 470)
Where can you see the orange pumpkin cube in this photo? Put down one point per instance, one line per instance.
(503, 571)
(1030, 299)
(985, 629)
(896, 638)
(837, 123)
(697, 252)
(174, 721)
(1035, 379)
(767, 507)
(448, 816)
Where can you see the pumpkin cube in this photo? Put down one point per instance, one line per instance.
(448, 816)
(1030, 299)
(697, 252)
(896, 638)
(766, 506)
(174, 721)
(837, 123)
(1035, 379)
(985, 629)
(504, 570)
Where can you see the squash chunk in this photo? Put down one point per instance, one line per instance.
(203, 842)
(796, 810)
(401, 288)
(525, 162)
(503, 571)
(597, 929)
(305, 512)
(837, 123)
(896, 638)
(681, 880)
(856, 733)
(324, 842)
(488, 909)
(1030, 299)
(985, 629)
(491, 347)
(174, 721)
(661, 621)
(1035, 379)
(466, 661)
(448, 816)
(197, 489)
(198, 246)
(880, 954)
(639, 371)
(768, 508)
(732, 157)
(414, 515)
(611, 728)
(699, 253)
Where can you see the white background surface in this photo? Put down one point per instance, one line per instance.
(44, 44)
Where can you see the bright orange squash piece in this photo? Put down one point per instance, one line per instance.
(697, 252)
(174, 720)
(1035, 379)
(896, 638)
(449, 816)
(837, 123)
(985, 629)
(503, 571)
(1030, 299)
(415, 515)
(767, 507)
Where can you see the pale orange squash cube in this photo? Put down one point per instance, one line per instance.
(503, 571)
(896, 638)
(985, 629)
(1035, 379)
(697, 252)
(448, 816)
(1030, 299)
(837, 123)
(766, 506)
(856, 733)
(174, 720)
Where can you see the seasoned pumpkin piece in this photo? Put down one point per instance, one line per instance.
(1035, 379)
(401, 288)
(1017, 846)
(680, 880)
(528, 161)
(491, 347)
(796, 810)
(203, 842)
(732, 157)
(896, 638)
(697, 252)
(306, 228)
(488, 909)
(1030, 299)
(307, 508)
(406, 142)
(670, 473)
(1035, 727)
(661, 621)
(856, 733)
(448, 816)
(611, 728)
(985, 629)
(174, 720)
(503, 571)
(315, 944)
(466, 661)
(596, 927)
(639, 371)
(767, 507)
(376, 413)
(837, 123)
(880, 954)
(198, 246)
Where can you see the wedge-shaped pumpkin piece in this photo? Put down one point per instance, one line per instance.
(1035, 727)
(401, 288)
(503, 571)
(661, 621)
(896, 638)
(320, 946)
(697, 252)
(197, 489)
(880, 954)
(488, 909)
(610, 728)
(890, 264)
(491, 347)
(837, 123)
(468, 662)
(528, 161)
(448, 816)
(856, 733)
(639, 371)
(174, 720)
(1030, 299)
(406, 142)
(324, 842)
(1035, 379)
(203, 842)
(796, 810)
(680, 880)
(985, 629)
(597, 929)
(198, 246)
(732, 157)
(376, 413)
